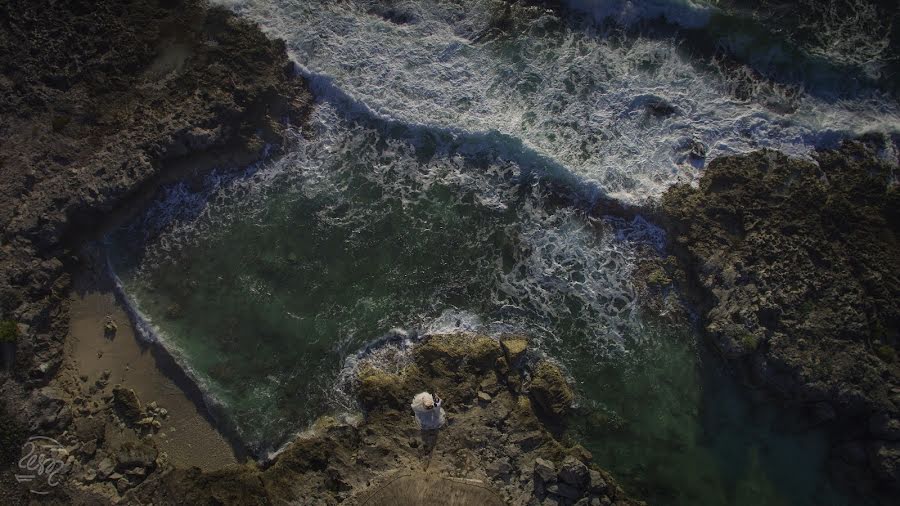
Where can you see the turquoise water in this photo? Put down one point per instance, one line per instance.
(444, 183)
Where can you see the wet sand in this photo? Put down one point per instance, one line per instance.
(187, 436)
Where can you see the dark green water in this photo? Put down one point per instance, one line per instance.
(263, 285)
(679, 430)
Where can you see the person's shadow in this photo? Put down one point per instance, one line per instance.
(429, 443)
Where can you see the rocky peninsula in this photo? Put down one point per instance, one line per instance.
(503, 405)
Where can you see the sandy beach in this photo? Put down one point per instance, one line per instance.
(187, 436)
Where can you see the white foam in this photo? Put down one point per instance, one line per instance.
(572, 96)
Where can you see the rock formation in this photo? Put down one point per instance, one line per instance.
(797, 270)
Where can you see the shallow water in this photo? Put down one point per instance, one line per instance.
(443, 182)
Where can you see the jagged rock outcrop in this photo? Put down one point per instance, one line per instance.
(797, 266)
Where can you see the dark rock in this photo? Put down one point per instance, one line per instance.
(527, 441)
(122, 485)
(51, 411)
(822, 412)
(574, 472)
(500, 468)
(105, 467)
(598, 483)
(564, 490)
(884, 457)
(127, 404)
(110, 328)
(795, 264)
(138, 472)
(89, 448)
(334, 481)
(657, 107)
(136, 454)
(884, 426)
(89, 475)
(544, 470)
(581, 453)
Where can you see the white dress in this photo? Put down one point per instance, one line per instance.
(428, 419)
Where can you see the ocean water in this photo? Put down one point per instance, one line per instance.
(446, 181)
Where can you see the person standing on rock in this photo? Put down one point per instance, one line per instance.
(428, 410)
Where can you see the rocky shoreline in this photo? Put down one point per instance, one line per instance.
(795, 267)
(100, 107)
(178, 87)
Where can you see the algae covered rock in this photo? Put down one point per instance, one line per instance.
(550, 390)
(379, 389)
(346, 460)
(451, 365)
(9, 331)
(514, 348)
(451, 352)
